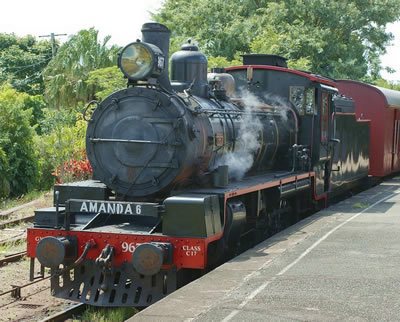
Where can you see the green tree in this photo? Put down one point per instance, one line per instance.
(4, 175)
(54, 120)
(222, 62)
(22, 60)
(66, 74)
(105, 81)
(335, 38)
(386, 84)
(221, 27)
(37, 105)
(17, 137)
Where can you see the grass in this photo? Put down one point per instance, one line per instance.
(12, 246)
(360, 205)
(14, 202)
(107, 314)
(8, 249)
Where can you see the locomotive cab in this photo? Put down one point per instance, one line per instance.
(321, 128)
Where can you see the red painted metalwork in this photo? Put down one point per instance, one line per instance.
(372, 104)
(311, 77)
(187, 252)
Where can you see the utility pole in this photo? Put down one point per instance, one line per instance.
(53, 41)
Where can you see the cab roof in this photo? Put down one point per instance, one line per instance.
(310, 76)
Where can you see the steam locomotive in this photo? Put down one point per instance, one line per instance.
(189, 169)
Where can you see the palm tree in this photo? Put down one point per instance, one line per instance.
(66, 74)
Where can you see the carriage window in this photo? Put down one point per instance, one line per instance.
(396, 137)
(297, 98)
(324, 117)
(310, 101)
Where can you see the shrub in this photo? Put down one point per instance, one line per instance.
(17, 136)
(4, 175)
(36, 104)
(74, 170)
(54, 120)
(63, 144)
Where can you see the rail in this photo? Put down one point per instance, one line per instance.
(16, 221)
(12, 258)
(67, 313)
(7, 212)
(16, 289)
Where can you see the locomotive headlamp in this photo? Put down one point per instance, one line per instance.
(141, 61)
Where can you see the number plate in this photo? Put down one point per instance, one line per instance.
(112, 207)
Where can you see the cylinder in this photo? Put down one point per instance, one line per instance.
(159, 35)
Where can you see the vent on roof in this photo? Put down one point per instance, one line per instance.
(263, 59)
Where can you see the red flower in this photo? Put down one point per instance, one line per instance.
(73, 170)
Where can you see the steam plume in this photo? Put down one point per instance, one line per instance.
(247, 142)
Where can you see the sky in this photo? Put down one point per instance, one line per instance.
(392, 58)
(121, 19)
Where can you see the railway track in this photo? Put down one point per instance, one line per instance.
(16, 289)
(67, 313)
(14, 240)
(14, 231)
(10, 225)
(18, 236)
(22, 213)
(8, 212)
(12, 258)
(13, 223)
(16, 221)
(21, 299)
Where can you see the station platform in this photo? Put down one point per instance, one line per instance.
(342, 263)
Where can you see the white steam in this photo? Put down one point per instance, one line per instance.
(287, 114)
(280, 105)
(250, 132)
(247, 141)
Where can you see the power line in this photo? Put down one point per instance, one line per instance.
(29, 79)
(20, 68)
(53, 41)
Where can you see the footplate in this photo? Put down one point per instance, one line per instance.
(118, 287)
